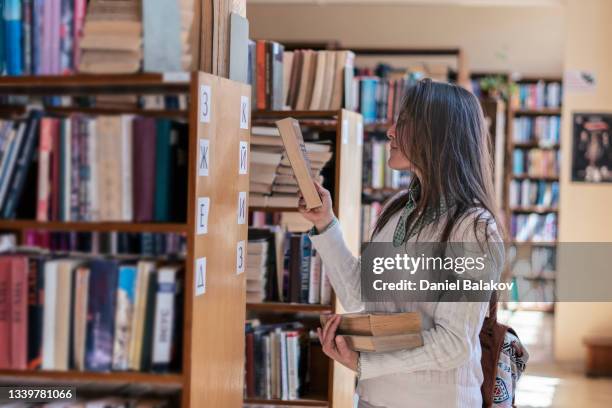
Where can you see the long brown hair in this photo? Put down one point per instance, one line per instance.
(442, 131)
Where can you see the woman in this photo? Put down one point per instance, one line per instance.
(440, 136)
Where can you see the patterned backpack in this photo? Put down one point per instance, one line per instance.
(503, 360)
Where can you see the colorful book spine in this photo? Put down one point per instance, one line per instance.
(13, 33)
(123, 317)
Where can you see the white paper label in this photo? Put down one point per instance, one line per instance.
(580, 81)
(359, 133)
(242, 207)
(203, 157)
(240, 257)
(202, 210)
(175, 77)
(345, 131)
(243, 162)
(200, 276)
(245, 108)
(205, 103)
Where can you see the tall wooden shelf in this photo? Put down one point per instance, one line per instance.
(213, 327)
(346, 192)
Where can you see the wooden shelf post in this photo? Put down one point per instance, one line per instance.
(213, 361)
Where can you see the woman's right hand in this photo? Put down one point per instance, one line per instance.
(322, 216)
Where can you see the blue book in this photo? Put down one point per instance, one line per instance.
(12, 36)
(2, 56)
(367, 100)
(123, 316)
(101, 315)
(305, 268)
(518, 162)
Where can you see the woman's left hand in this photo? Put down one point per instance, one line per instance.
(335, 347)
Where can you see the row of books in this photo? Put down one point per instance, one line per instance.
(105, 168)
(283, 266)
(534, 227)
(60, 37)
(527, 193)
(543, 130)
(277, 357)
(537, 95)
(379, 99)
(89, 314)
(272, 180)
(376, 173)
(167, 245)
(167, 102)
(369, 216)
(541, 263)
(536, 162)
(300, 79)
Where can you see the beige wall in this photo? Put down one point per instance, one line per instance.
(528, 40)
(585, 209)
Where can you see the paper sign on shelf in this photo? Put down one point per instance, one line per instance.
(345, 131)
(242, 207)
(359, 133)
(245, 108)
(200, 276)
(243, 162)
(203, 157)
(205, 103)
(202, 210)
(175, 77)
(240, 257)
(579, 81)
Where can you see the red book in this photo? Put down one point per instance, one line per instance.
(19, 312)
(250, 366)
(261, 74)
(143, 163)
(5, 313)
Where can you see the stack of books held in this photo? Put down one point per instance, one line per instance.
(380, 332)
(300, 79)
(105, 168)
(282, 266)
(167, 245)
(277, 358)
(89, 314)
(272, 178)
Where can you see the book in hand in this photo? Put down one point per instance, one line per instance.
(381, 344)
(377, 324)
(379, 332)
(291, 135)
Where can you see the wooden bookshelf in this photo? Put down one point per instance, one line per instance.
(342, 127)
(305, 402)
(213, 320)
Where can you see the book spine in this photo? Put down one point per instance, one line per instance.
(277, 76)
(284, 367)
(164, 310)
(49, 308)
(75, 179)
(36, 290)
(21, 169)
(123, 317)
(81, 289)
(305, 268)
(12, 36)
(314, 284)
(12, 159)
(66, 36)
(250, 366)
(261, 74)
(5, 313)
(100, 315)
(79, 20)
(162, 171)
(19, 310)
(126, 197)
(27, 36)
